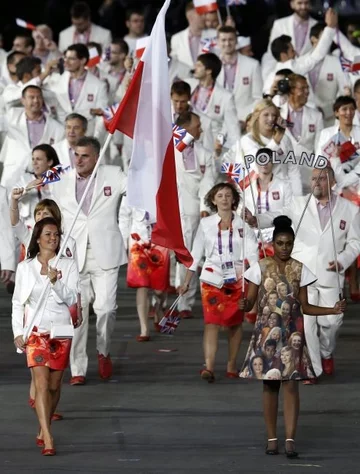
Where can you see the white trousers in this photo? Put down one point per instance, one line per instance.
(100, 286)
(189, 226)
(321, 331)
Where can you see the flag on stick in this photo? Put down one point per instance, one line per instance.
(94, 58)
(182, 138)
(25, 24)
(140, 46)
(205, 6)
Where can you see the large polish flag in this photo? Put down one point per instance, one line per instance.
(145, 115)
(205, 6)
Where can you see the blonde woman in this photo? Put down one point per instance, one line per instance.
(287, 357)
(267, 130)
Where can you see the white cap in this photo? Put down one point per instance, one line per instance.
(243, 41)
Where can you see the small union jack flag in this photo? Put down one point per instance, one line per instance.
(182, 138)
(53, 174)
(169, 324)
(346, 65)
(234, 171)
(208, 45)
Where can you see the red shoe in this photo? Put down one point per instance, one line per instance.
(143, 338)
(251, 317)
(312, 381)
(78, 380)
(355, 297)
(48, 452)
(40, 442)
(328, 366)
(186, 314)
(151, 314)
(157, 327)
(206, 374)
(105, 366)
(57, 417)
(232, 375)
(171, 290)
(31, 403)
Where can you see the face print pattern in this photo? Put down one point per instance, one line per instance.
(277, 349)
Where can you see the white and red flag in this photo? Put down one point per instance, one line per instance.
(144, 114)
(356, 64)
(25, 24)
(182, 138)
(141, 44)
(205, 6)
(94, 58)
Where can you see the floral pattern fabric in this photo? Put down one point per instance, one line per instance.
(43, 351)
(221, 305)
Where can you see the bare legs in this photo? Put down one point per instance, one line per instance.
(210, 344)
(143, 305)
(234, 340)
(271, 391)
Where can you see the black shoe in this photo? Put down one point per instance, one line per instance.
(291, 454)
(271, 452)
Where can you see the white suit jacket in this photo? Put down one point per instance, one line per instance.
(283, 26)
(16, 151)
(93, 95)
(65, 292)
(313, 246)
(329, 132)
(100, 227)
(178, 70)
(247, 87)
(97, 34)
(7, 241)
(287, 171)
(194, 185)
(219, 117)
(180, 47)
(133, 221)
(62, 149)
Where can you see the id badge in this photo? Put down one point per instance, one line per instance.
(229, 273)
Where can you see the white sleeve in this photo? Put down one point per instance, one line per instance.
(307, 277)
(253, 274)
(18, 309)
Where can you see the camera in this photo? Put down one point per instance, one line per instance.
(283, 86)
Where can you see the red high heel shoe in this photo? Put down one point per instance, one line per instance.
(40, 442)
(48, 452)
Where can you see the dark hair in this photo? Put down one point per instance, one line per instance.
(252, 361)
(123, 45)
(81, 118)
(212, 62)
(26, 66)
(185, 118)
(90, 141)
(33, 248)
(270, 342)
(81, 51)
(211, 194)
(181, 88)
(357, 84)
(265, 151)
(284, 72)
(282, 225)
(133, 11)
(280, 45)
(29, 40)
(317, 29)
(189, 6)
(80, 10)
(294, 78)
(343, 100)
(50, 153)
(10, 59)
(52, 207)
(227, 29)
(23, 94)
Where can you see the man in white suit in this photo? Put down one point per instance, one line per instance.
(7, 241)
(239, 74)
(26, 129)
(283, 51)
(304, 123)
(75, 128)
(100, 249)
(297, 26)
(195, 176)
(186, 45)
(214, 104)
(77, 90)
(82, 30)
(314, 247)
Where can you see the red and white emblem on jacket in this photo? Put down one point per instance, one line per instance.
(276, 195)
(311, 128)
(342, 225)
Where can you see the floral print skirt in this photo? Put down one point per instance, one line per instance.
(221, 305)
(43, 351)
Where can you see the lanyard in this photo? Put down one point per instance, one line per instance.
(195, 97)
(230, 240)
(267, 207)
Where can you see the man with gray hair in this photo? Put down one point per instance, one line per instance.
(75, 128)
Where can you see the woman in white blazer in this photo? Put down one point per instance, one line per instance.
(148, 267)
(220, 238)
(47, 358)
(266, 133)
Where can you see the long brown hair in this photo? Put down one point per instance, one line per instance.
(254, 121)
(52, 207)
(34, 248)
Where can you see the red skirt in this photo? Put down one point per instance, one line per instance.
(41, 351)
(221, 305)
(148, 267)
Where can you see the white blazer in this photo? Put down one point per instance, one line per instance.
(284, 26)
(7, 241)
(329, 132)
(65, 292)
(62, 149)
(16, 151)
(178, 70)
(194, 185)
(133, 221)
(247, 87)
(219, 117)
(180, 47)
(98, 34)
(206, 238)
(100, 227)
(287, 171)
(93, 95)
(313, 246)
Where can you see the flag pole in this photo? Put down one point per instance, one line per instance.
(228, 13)
(219, 17)
(30, 324)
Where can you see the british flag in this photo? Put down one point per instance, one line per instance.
(346, 65)
(235, 171)
(208, 45)
(182, 138)
(169, 324)
(109, 112)
(53, 174)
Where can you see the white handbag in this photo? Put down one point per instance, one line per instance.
(211, 277)
(62, 331)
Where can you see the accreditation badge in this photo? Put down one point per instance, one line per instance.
(229, 272)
